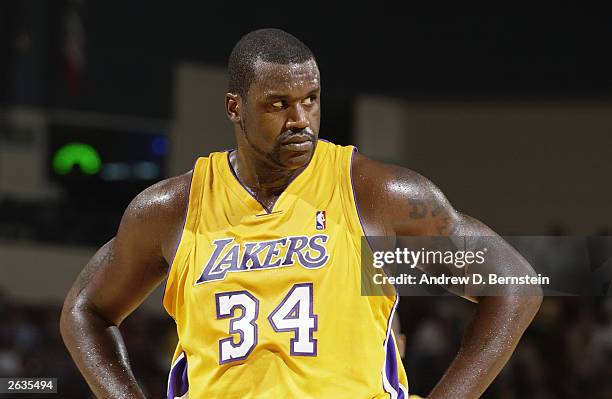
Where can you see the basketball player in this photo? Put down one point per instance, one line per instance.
(259, 247)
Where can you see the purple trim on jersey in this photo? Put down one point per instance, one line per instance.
(248, 190)
(355, 200)
(182, 231)
(178, 383)
(297, 316)
(271, 210)
(391, 367)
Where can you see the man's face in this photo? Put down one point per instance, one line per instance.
(281, 115)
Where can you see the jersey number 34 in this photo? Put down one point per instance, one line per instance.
(293, 314)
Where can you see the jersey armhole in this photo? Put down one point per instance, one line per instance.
(355, 220)
(190, 222)
(360, 236)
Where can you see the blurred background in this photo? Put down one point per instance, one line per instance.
(510, 117)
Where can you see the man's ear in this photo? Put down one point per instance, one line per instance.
(232, 107)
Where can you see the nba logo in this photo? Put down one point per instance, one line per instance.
(321, 221)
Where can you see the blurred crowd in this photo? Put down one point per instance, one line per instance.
(565, 353)
(31, 346)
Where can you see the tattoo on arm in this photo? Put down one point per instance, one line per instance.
(90, 269)
(418, 210)
(436, 212)
(109, 256)
(424, 209)
(443, 226)
(436, 209)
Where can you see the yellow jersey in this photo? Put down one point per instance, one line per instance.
(270, 304)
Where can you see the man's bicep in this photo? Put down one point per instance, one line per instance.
(396, 201)
(418, 207)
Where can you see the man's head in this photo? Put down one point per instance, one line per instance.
(273, 98)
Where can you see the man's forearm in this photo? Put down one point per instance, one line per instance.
(488, 343)
(99, 352)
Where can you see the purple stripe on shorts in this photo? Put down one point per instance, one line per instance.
(178, 384)
(391, 367)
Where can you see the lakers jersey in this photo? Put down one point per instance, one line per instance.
(268, 304)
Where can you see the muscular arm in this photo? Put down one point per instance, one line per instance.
(116, 281)
(394, 201)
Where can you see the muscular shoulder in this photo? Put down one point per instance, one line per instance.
(163, 199)
(159, 212)
(399, 200)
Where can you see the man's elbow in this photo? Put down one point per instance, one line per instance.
(525, 300)
(528, 292)
(532, 294)
(532, 300)
(72, 318)
(67, 319)
(520, 300)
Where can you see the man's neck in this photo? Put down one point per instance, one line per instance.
(262, 178)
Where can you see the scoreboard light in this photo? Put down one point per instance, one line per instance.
(76, 154)
(102, 163)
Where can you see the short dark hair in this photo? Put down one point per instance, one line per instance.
(269, 45)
